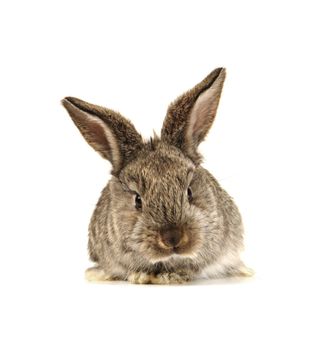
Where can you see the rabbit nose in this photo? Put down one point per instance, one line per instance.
(171, 237)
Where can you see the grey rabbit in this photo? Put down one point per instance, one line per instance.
(162, 218)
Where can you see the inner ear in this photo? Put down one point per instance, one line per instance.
(203, 113)
(191, 115)
(202, 116)
(96, 133)
(104, 141)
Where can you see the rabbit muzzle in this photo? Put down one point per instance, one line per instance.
(172, 237)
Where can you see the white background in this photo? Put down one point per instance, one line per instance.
(269, 148)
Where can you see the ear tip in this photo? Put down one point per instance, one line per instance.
(69, 99)
(218, 74)
(221, 71)
(71, 102)
(65, 102)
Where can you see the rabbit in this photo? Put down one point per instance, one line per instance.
(162, 218)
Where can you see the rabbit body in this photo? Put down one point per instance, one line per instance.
(162, 218)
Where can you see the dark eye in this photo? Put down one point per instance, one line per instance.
(138, 201)
(189, 193)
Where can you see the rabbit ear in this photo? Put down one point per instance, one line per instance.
(191, 115)
(110, 134)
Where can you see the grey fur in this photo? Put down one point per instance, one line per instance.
(173, 238)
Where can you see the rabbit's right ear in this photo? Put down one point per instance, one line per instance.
(191, 115)
(110, 134)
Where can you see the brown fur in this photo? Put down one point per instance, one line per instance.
(172, 238)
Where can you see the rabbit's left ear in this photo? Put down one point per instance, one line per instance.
(191, 115)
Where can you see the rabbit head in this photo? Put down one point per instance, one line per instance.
(157, 204)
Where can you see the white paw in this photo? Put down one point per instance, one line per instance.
(240, 271)
(161, 278)
(97, 274)
(246, 271)
(170, 278)
(139, 278)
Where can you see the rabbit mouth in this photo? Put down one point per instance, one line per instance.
(173, 242)
(173, 255)
(185, 247)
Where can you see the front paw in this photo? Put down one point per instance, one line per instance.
(240, 271)
(171, 278)
(140, 278)
(160, 278)
(97, 274)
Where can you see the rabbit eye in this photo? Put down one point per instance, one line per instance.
(138, 201)
(189, 193)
